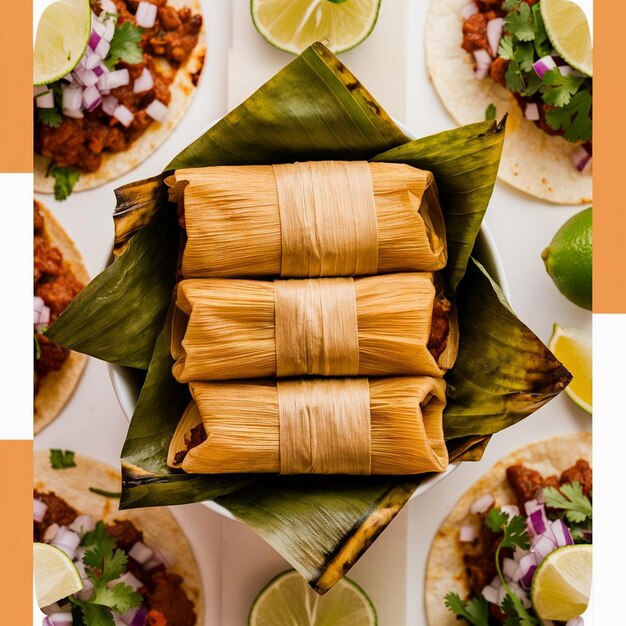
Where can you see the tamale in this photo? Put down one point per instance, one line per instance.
(312, 219)
(396, 324)
(323, 426)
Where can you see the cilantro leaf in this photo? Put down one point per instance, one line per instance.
(37, 347)
(570, 498)
(49, 117)
(490, 112)
(511, 5)
(560, 89)
(521, 23)
(61, 459)
(542, 43)
(496, 519)
(475, 611)
(98, 537)
(573, 118)
(120, 597)
(125, 45)
(505, 49)
(93, 614)
(524, 54)
(64, 180)
(514, 79)
(533, 84)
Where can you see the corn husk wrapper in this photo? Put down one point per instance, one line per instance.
(243, 427)
(312, 109)
(233, 220)
(224, 329)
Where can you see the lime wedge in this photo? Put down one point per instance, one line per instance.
(568, 31)
(294, 25)
(572, 347)
(289, 601)
(55, 575)
(562, 583)
(62, 36)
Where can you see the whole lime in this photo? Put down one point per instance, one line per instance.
(568, 259)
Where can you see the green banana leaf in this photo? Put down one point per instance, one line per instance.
(313, 109)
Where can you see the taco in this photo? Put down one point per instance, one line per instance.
(547, 151)
(59, 275)
(75, 509)
(129, 91)
(461, 559)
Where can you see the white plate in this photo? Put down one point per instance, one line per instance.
(127, 381)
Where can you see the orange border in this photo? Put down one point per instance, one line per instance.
(609, 160)
(16, 101)
(16, 532)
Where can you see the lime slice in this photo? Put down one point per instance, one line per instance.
(562, 583)
(568, 30)
(55, 575)
(573, 348)
(62, 36)
(289, 601)
(296, 24)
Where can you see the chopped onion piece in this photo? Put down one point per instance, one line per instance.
(124, 115)
(44, 97)
(494, 34)
(531, 112)
(108, 6)
(140, 552)
(94, 38)
(91, 59)
(91, 98)
(581, 159)
(109, 104)
(87, 77)
(128, 579)
(82, 524)
(75, 113)
(577, 621)
(100, 69)
(543, 65)
(112, 80)
(528, 565)
(51, 532)
(146, 14)
(561, 533)
(157, 110)
(39, 510)
(511, 569)
(145, 82)
(132, 617)
(490, 594)
(469, 9)
(542, 546)
(510, 509)
(68, 538)
(537, 522)
(521, 594)
(482, 504)
(60, 618)
(467, 533)
(110, 30)
(102, 49)
(38, 303)
(483, 63)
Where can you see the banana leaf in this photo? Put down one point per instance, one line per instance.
(315, 109)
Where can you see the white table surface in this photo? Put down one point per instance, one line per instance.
(234, 562)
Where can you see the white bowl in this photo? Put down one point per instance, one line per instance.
(127, 382)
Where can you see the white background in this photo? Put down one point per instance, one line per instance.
(235, 563)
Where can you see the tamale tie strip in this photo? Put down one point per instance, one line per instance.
(327, 230)
(325, 426)
(316, 327)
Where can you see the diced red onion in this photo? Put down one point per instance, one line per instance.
(135, 617)
(82, 524)
(561, 533)
(541, 546)
(87, 590)
(490, 594)
(581, 159)
(110, 30)
(39, 510)
(140, 552)
(494, 34)
(157, 110)
(80, 566)
(112, 80)
(531, 112)
(511, 569)
(51, 532)
(60, 618)
(567, 70)
(109, 104)
(124, 115)
(469, 9)
(103, 47)
(521, 594)
(577, 621)
(91, 59)
(75, 113)
(144, 82)
(482, 504)
(94, 38)
(91, 98)
(44, 98)
(483, 63)
(501, 594)
(87, 77)
(128, 579)
(528, 565)
(510, 509)
(146, 14)
(67, 540)
(99, 69)
(44, 316)
(38, 303)
(467, 533)
(543, 65)
(108, 6)
(537, 522)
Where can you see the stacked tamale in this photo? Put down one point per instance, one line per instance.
(311, 321)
